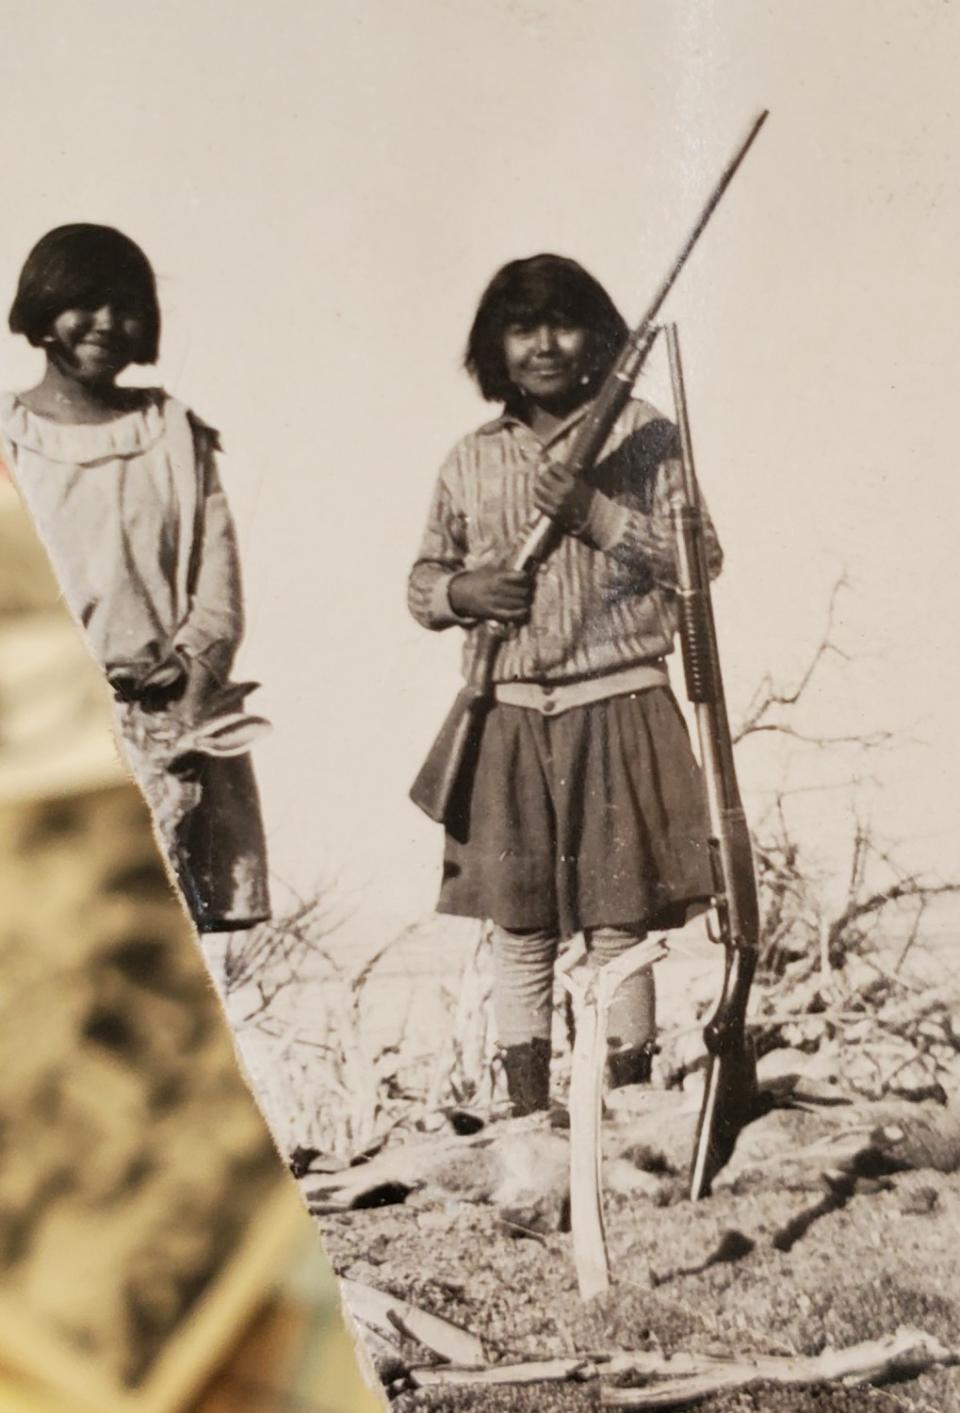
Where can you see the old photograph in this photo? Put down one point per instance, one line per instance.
(499, 458)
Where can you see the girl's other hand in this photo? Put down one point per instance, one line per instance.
(562, 496)
(503, 594)
(155, 685)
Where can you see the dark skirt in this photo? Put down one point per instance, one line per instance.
(592, 818)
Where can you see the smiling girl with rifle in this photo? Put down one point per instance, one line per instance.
(582, 809)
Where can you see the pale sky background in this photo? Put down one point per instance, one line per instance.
(324, 190)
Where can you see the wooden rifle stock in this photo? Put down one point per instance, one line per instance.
(435, 787)
(731, 1079)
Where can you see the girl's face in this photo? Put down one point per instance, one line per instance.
(548, 359)
(94, 345)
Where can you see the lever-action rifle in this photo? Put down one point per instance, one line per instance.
(435, 787)
(731, 1079)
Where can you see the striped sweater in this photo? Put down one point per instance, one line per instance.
(605, 598)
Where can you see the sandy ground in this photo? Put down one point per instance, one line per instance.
(886, 1259)
(889, 1258)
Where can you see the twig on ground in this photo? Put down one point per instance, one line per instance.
(682, 1379)
(392, 1315)
(907, 1352)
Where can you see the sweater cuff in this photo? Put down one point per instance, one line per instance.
(442, 612)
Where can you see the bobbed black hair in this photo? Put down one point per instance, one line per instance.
(526, 291)
(83, 266)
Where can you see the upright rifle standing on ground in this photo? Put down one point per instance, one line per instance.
(447, 767)
(731, 1079)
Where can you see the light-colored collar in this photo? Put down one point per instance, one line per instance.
(510, 419)
(79, 442)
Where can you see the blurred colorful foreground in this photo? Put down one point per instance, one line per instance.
(154, 1255)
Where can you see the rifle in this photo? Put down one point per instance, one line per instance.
(731, 1081)
(453, 752)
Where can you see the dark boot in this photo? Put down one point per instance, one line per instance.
(633, 1066)
(527, 1068)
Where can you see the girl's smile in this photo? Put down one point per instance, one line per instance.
(94, 345)
(547, 359)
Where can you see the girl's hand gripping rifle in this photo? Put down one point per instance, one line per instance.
(731, 1080)
(452, 753)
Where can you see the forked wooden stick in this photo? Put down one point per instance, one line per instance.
(592, 991)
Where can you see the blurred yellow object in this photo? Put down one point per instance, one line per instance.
(288, 1357)
(145, 1216)
(297, 1354)
(19, 1397)
(55, 724)
(27, 583)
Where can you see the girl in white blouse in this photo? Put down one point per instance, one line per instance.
(123, 487)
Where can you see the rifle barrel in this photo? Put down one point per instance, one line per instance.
(615, 392)
(711, 204)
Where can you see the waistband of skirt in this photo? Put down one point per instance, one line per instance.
(552, 698)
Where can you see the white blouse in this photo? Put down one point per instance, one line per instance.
(133, 516)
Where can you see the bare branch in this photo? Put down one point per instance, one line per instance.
(869, 740)
(865, 907)
(768, 695)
